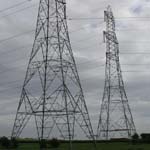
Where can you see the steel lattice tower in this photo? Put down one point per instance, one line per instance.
(115, 115)
(52, 91)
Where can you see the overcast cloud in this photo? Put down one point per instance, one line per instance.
(89, 51)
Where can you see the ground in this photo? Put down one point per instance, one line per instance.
(100, 146)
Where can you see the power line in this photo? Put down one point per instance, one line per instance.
(135, 41)
(10, 69)
(135, 64)
(82, 63)
(135, 50)
(18, 35)
(15, 12)
(84, 18)
(135, 71)
(85, 39)
(28, 45)
(15, 36)
(83, 27)
(16, 49)
(87, 47)
(8, 62)
(16, 60)
(10, 88)
(30, 31)
(130, 30)
(10, 82)
(77, 63)
(87, 79)
(102, 18)
(70, 18)
(136, 53)
(13, 6)
(86, 62)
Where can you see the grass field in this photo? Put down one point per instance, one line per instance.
(100, 146)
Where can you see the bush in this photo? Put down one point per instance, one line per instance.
(54, 143)
(135, 137)
(145, 137)
(43, 144)
(5, 142)
(14, 143)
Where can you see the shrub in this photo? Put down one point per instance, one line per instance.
(43, 144)
(145, 136)
(135, 137)
(14, 143)
(54, 143)
(5, 142)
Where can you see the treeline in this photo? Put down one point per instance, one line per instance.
(14, 143)
(8, 143)
(142, 138)
(136, 138)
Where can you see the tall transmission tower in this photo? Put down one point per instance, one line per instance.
(52, 91)
(115, 120)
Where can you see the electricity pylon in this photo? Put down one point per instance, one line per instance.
(115, 120)
(52, 91)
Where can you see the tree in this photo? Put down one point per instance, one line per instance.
(135, 137)
(145, 137)
(14, 143)
(43, 143)
(5, 142)
(54, 143)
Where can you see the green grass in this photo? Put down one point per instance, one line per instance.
(86, 146)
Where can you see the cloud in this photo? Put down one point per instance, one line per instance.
(137, 10)
(136, 7)
(89, 52)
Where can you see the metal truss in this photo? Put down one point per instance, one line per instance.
(115, 120)
(52, 91)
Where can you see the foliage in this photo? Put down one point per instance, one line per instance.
(135, 137)
(145, 136)
(43, 143)
(14, 143)
(5, 142)
(87, 146)
(54, 143)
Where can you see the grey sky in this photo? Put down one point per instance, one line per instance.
(89, 51)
